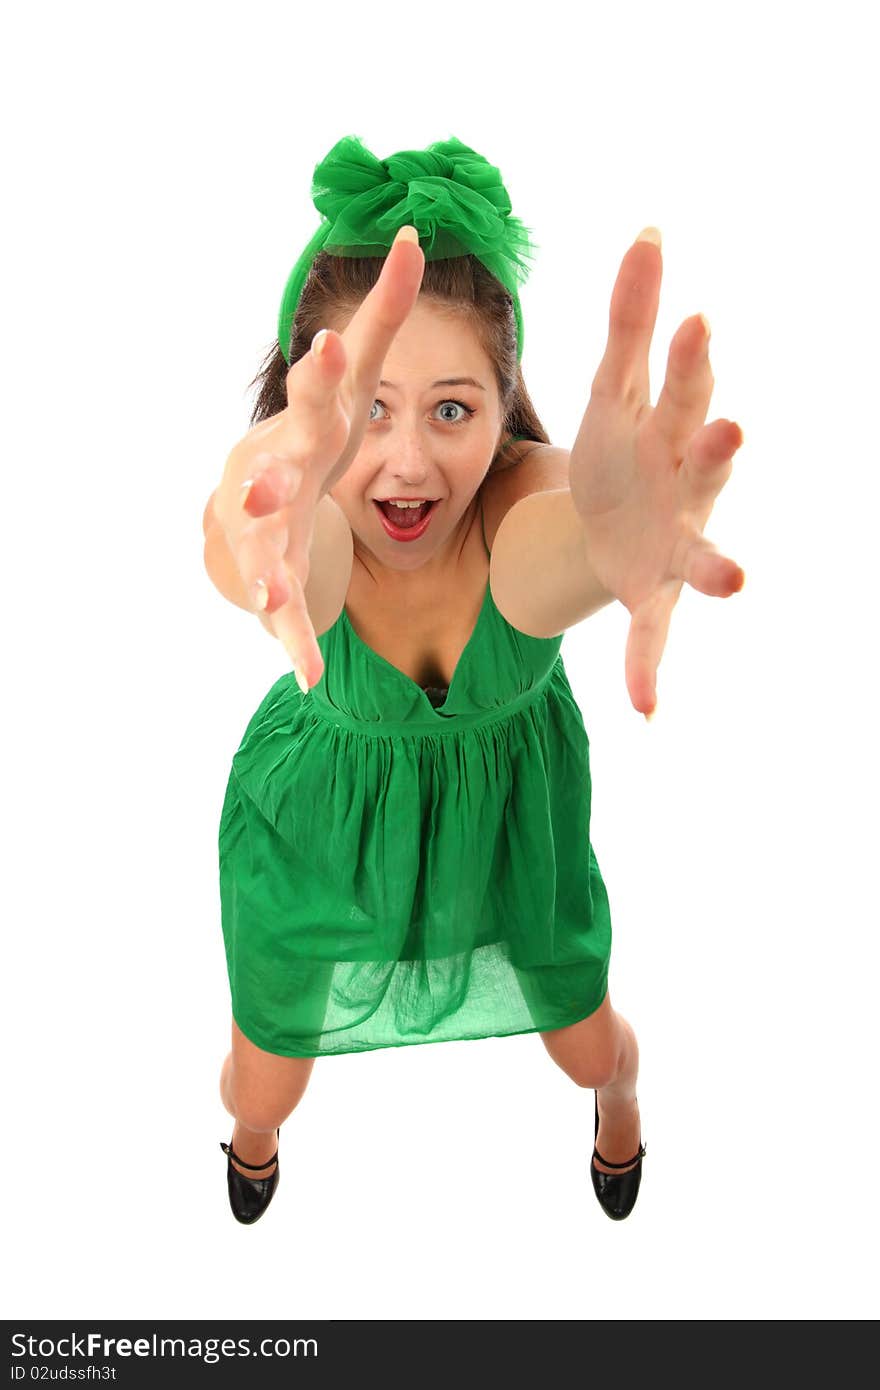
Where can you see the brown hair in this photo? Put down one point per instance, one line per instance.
(337, 284)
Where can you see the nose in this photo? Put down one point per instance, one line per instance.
(407, 455)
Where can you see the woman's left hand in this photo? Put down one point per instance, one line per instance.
(644, 479)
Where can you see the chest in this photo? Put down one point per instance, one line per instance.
(423, 640)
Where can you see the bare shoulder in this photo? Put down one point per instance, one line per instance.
(533, 468)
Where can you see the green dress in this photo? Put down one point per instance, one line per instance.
(405, 865)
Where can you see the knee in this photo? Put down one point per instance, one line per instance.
(589, 1052)
(260, 1089)
(263, 1103)
(260, 1115)
(593, 1071)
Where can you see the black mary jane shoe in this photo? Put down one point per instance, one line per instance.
(249, 1197)
(616, 1192)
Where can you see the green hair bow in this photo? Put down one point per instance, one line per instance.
(452, 196)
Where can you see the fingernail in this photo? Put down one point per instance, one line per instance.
(301, 680)
(707, 327)
(408, 234)
(651, 234)
(651, 713)
(259, 592)
(319, 342)
(245, 491)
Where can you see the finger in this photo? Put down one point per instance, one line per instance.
(293, 627)
(623, 371)
(645, 644)
(371, 330)
(700, 563)
(273, 483)
(311, 430)
(708, 463)
(259, 553)
(313, 378)
(684, 400)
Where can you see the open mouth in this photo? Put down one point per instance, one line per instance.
(404, 516)
(404, 523)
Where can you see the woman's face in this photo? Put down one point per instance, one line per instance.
(424, 440)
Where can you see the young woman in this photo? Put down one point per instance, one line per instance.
(404, 841)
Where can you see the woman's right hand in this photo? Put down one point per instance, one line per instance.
(277, 474)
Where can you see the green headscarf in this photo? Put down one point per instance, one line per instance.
(452, 196)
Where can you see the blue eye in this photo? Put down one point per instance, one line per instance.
(468, 411)
(466, 408)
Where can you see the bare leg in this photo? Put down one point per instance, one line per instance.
(260, 1089)
(601, 1052)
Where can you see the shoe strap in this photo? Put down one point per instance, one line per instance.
(642, 1151)
(228, 1149)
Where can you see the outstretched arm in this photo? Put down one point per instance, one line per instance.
(642, 481)
(540, 573)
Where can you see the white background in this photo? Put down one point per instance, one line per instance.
(158, 167)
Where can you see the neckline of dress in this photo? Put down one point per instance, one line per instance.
(437, 709)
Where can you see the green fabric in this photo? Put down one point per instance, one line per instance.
(453, 196)
(394, 873)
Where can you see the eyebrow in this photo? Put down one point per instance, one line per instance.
(446, 381)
